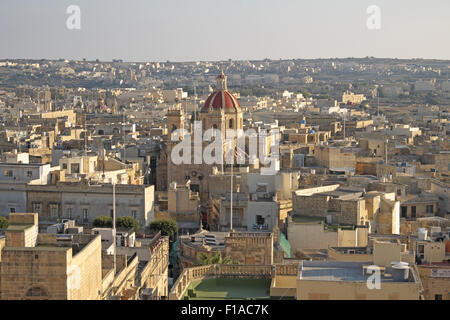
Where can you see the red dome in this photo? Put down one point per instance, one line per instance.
(221, 99)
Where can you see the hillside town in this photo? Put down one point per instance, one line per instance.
(303, 179)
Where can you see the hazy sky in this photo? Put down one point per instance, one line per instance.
(187, 30)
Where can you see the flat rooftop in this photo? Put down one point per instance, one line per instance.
(307, 219)
(19, 227)
(223, 289)
(344, 194)
(338, 271)
(32, 164)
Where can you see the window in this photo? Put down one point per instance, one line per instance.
(134, 214)
(75, 168)
(230, 124)
(54, 210)
(413, 211)
(30, 174)
(236, 218)
(404, 210)
(195, 187)
(37, 208)
(438, 297)
(421, 248)
(12, 210)
(85, 214)
(8, 173)
(69, 213)
(36, 293)
(430, 208)
(399, 192)
(64, 166)
(259, 220)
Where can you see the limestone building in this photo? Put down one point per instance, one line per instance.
(221, 111)
(256, 248)
(71, 265)
(46, 267)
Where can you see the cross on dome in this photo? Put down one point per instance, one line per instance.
(221, 81)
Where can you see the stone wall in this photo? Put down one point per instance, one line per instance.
(31, 273)
(310, 236)
(88, 265)
(434, 282)
(250, 248)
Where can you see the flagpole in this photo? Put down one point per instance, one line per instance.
(231, 197)
(114, 225)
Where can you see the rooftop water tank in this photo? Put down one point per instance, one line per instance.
(435, 230)
(422, 233)
(400, 272)
(399, 263)
(389, 267)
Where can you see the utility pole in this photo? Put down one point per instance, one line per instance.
(20, 135)
(231, 197)
(114, 226)
(85, 134)
(386, 150)
(123, 134)
(378, 107)
(345, 116)
(103, 164)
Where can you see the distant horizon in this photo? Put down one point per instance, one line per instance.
(224, 60)
(208, 30)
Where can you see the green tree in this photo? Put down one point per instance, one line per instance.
(215, 259)
(4, 222)
(168, 227)
(127, 223)
(305, 93)
(102, 222)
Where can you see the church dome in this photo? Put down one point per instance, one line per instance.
(221, 98)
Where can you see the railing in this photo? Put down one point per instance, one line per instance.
(217, 271)
(416, 276)
(290, 269)
(187, 276)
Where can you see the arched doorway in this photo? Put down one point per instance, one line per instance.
(37, 293)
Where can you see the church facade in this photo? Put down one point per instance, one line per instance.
(220, 111)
